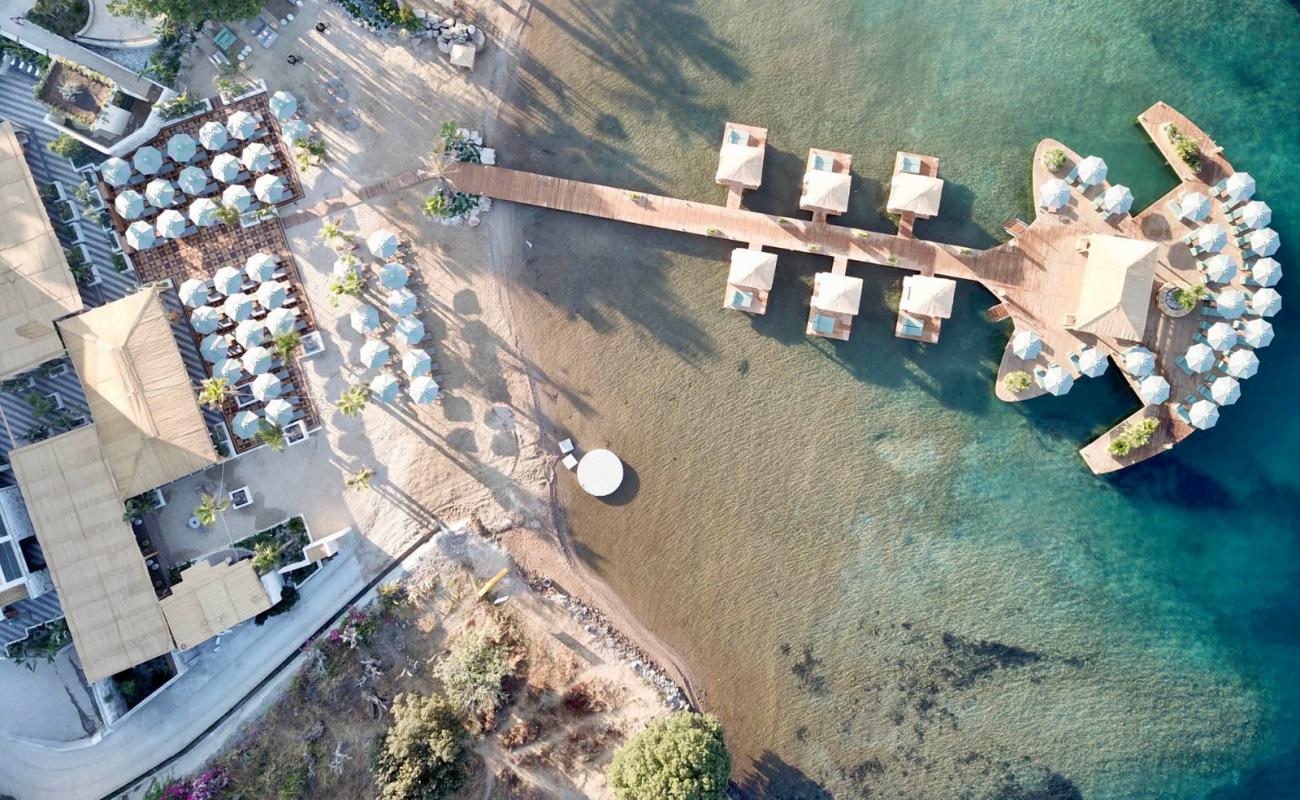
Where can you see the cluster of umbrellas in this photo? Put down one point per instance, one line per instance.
(1054, 194)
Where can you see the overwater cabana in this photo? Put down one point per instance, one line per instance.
(1115, 294)
(826, 182)
(925, 304)
(740, 159)
(915, 190)
(750, 280)
(835, 303)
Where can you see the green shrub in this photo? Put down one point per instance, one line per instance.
(1016, 382)
(288, 599)
(1133, 437)
(1189, 297)
(1186, 148)
(472, 672)
(681, 756)
(423, 755)
(66, 146)
(1054, 159)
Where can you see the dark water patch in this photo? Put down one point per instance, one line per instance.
(808, 672)
(770, 776)
(972, 660)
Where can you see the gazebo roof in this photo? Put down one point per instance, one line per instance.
(752, 269)
(739, 163)
(929, 296)
(916, 194)
(826, 191)
(837, 293)
(1116, 291)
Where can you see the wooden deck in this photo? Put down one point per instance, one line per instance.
(1036, 277)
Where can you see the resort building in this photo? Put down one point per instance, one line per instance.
(925, 303)
(915, 190)
(740, 159)
(750, 280)
(826, 182)
(211, 598)
(1116, 290)
(835, 303)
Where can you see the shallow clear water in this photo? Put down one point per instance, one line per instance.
(892, 584)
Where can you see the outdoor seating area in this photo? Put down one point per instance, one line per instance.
(835, 302)
(750, 280)
(740, 160)
(926, 302)
(826, 183)
(915, 190)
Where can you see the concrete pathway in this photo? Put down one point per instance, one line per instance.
(47, 701)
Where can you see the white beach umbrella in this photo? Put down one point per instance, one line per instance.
(147, 160)
(266, 386)
(1139, 361)
(384, 387)
(194, 292)
(283, 105)
(1219, 268)
(1225, 390)
(181, 148)
(423, 390)
(280, 321)
(228, 280)
(272, 294)
(1153, 389)
(1221, 336)
(1055, 380)
(1242, 364)
(294, 130)
(256, 360)
(417, 362)
(140, 235)
(1265, 302)
(1199, 357)
(1230, 303)
(241, 125)
(401, 302)
(1195, 206)
(1257, 332)
(228, 368)
(393, 276)
(1265, 272)
(1118, 199)
(116, 172)
(409, 330)
(1092, 171)
(214, 347)
(246, 424)
(237, 197)
(1239, 187)
(269, 189)
(1263, 242)
(238, 307)
(1203, 414)
(1092, 362)
(203, 212)
(382, 244)
(226, 168)
(160, 193)
(256, 157)
(260, 267)
(250, 333)
(213, 135)
(1255, 214)
(205, 319)
(129, 204)
(1054, 194)
(278, 411)
(1211, 238)
(364, 318)
(192, 180)
(374, 354)
(170, 224)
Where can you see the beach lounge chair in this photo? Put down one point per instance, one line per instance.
(570, 462)
(911, 326)
(1219, 187)
(1174, 208)
(1181, 361)
(1183, 414)
(566, 446)
(1073, 177)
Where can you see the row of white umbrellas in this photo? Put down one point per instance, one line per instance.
(238, 309)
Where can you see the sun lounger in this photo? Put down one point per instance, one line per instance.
(1219, 187)
(1073, 176)
(570, 462)
(566, 446)
(1181, 361)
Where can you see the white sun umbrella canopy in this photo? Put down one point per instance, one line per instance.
(1230, 303)
(393, 276)
(423, 390)
(260, 266)
(238, 197)
(228, 368)
(417, 362)
(384, 388)
(205, 319)
(1242, 364)
(272, 294)
(401, 302)
(116, 172)
(1265, 272)
(256, 157)
(1139, 361)
(294, 130)
(1255, 214)
(250, 333)
(213, 136)
(1238, 188)
(345, 265)
(1092, 171)
(1203, 415)
(192, 180)
(129, 204)
(1153, 389)
(1221, 336)
(269, 189)
(1092, 362)
(1263, 242)
(256, 360)
(1054, 194)
(280, 321)
(1225, 390)
(1193, 206)
(375, 354)
(140, 235)
(147, 160)
(181, 148)
(278, 411)
(228, 280)
(1055, 380)
(283, 105)
(1211, 238)
(409, 330)
(194, 292)
(246, 424)
(1199, 357)
(160, 193)
(226, 168)
(382, 244)
(266, 386)
(1265, 302)
(1219, 268)
(1257, 332)
(364, 318)
(170, 224)
(203, 212)
(238, 307)
(1118, 199)
(214, 347)
(241, 125)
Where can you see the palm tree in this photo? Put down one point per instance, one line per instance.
(214, 391)
(436, 205)
(350, 284)
(272, 436)
(227, 215)
(353, 400)
(360, 480)
(284, 344)
(208, 508)
(332, 234)
(309, 152)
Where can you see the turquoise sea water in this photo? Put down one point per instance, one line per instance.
(890, 583)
